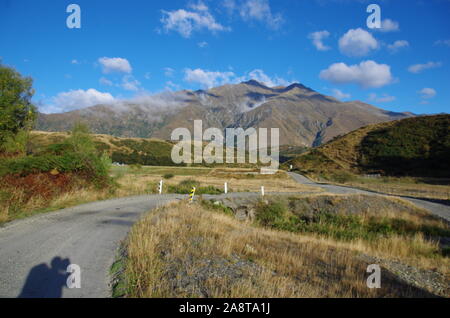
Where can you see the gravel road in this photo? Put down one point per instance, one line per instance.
(35, 252)
(438, 209)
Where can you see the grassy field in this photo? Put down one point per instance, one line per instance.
(405, 187)
(146, 179)
(198, 251)
(425, 188)
(140, 180)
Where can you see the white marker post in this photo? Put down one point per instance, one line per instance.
(262, 190)
(160, 187)
(226, 188)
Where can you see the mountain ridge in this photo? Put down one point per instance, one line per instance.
(304, 116)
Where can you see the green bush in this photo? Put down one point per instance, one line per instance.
(272, 214)
(168, 176)
(185, 187)
(76, 154)
(342, 177)
(218, 207)
(136, 167)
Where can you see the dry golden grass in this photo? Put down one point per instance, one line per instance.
(238, 181)
(44, 138)
(146, 181)
(418, 190)
(15, 208)
(401, 186)
(187, 251)
(3, 214)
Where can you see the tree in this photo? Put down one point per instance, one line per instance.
(17, 113)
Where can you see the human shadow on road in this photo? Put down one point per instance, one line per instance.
(46, 282)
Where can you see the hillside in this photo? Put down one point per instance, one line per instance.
(304, 116)
(142, 151)
(417, 146)
(123, 150)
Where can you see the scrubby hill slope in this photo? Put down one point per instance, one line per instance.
(122, 150)
(414, 146)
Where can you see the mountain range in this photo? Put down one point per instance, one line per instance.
(304, 116)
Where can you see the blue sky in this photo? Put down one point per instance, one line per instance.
(125, 49)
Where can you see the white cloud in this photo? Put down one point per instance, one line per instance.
(260, 10)
(186, 22)
(397, 45)
(317, 39)
(229, 5)
(418, 68)
(199, 6)
(171, 86)
(206, 78)
(427, 93)
(384, 98)
(210, 79)
(367, 74)
(105, 81)
(442, 42)
(74, 61)
(115, 65)
(147, 76)
(260, 76)
(76, 99)
(389, 25)
(202, 44)
(169, 72)
(340, 95)
(129, 83)
(357, 42)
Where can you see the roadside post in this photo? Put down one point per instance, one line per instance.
(160, 187)
(262, 190)
(191, 196)
(226, 188)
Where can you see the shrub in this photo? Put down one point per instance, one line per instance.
(168, 176)
(342, 177)
(271, 214)
(185, 187)
(76, 154)
(136, 167)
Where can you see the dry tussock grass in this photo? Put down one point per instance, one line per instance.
(237, 182)
(421, 190)
(174, 253)
(16, 207)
